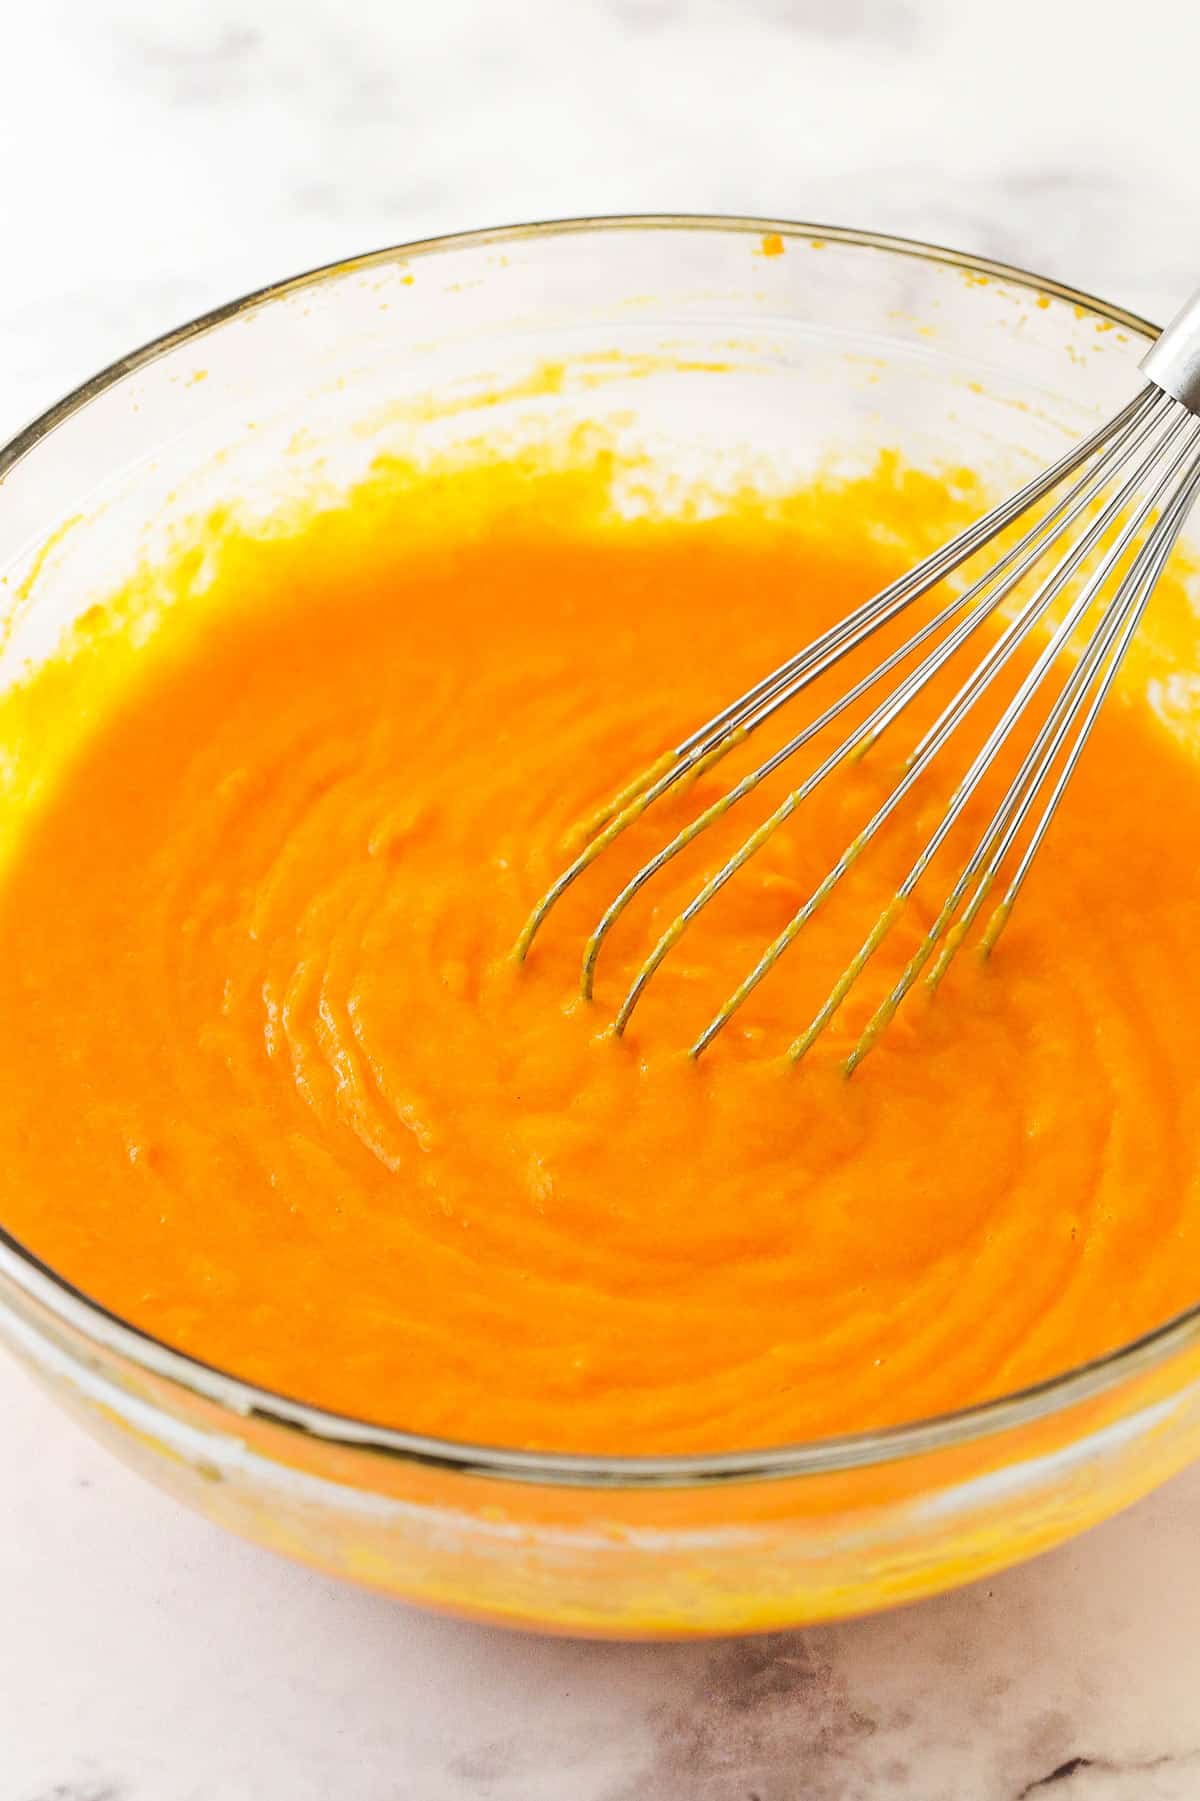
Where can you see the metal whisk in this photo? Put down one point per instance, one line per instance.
(1136, 480)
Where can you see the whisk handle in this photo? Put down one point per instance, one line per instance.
(1173, 363)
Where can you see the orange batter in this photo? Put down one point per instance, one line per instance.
(272, 1087)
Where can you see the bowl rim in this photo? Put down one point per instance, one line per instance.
(81, 1314)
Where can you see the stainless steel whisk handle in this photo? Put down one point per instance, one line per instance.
(1173, 363)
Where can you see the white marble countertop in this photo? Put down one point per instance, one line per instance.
(160, 158)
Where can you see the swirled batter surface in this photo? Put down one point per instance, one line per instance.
(272, 1087)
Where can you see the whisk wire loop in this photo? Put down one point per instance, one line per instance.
(1132, 484)
(988, 592)
(752, 709)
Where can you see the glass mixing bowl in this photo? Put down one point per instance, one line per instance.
(800, 347)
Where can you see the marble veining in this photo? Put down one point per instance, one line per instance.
(216, 144)
(1123, 1771)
